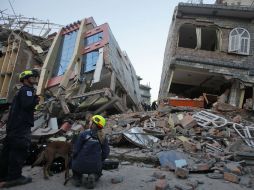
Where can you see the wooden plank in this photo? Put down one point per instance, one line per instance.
(6, 59)
(20, 64)
(1, 61)
(4, 89)
(12, 57)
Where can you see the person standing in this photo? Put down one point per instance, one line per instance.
(18, 132)
(89, 152)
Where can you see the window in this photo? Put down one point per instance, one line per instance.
(187, 36)
(93, 39)
(205, 38)
(239, 41)
(209, 39)
(65, 53)
(89, 61)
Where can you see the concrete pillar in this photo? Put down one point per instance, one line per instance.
(234, 93)
(171, 74)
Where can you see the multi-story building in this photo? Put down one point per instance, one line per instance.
(144, 92)
(86, 66)
(210, 49)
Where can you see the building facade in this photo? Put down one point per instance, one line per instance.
(209, 49)
(86, 61)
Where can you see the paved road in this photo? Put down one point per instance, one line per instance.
(136, 177)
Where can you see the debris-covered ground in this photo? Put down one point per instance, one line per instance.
(175, 147)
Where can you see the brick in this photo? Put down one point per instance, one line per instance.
(188, 122)
(161, 184)
(189, 146)
(233, 167)
(231, 177)
(182, 173)
(201, 167)
(159, 175)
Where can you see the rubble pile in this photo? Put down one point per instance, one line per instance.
(187, 141)
(180, 139)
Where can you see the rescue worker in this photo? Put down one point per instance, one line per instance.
(89, 152)
(18, 132)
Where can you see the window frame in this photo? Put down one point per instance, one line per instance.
(236, 41)
(93, 38)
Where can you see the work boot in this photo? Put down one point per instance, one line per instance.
(91, 181)
(20, 181)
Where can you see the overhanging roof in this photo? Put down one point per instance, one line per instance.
(216, 10)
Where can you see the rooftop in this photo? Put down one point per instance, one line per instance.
(216, 10)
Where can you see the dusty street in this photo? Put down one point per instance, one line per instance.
(134, 177)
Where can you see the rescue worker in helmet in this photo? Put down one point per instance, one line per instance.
(90, 150)
(18, 132)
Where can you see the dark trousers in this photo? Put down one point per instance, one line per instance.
(12, 160)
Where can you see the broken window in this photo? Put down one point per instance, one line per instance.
(93, 39)
(239, 41)
(209, 39)
(89, 61)
(187, 36)
(65, 52)
(205, 38)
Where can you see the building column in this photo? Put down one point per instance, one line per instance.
(234, 93)
(171, 74)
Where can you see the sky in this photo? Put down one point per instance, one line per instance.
(139, 26)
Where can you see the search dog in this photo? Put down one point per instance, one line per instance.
(54, 150)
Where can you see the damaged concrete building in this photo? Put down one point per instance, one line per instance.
(23, 45)
(18, 51)
(86, 67)
(210, 50)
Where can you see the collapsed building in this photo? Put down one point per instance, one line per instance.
(210, 50)
(19, 51)
(81, 65)
(85, 66)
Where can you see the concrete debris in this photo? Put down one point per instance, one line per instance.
(117, 179)
(161, 184)
(182, 173)
(159, 175)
